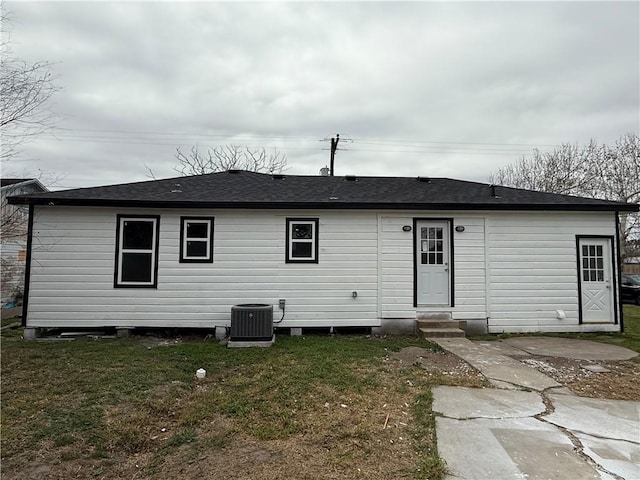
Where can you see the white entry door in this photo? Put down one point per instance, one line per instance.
(432, 263)
(596, 280)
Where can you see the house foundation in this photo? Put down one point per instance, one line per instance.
(31, 333)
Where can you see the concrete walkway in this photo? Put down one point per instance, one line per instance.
(530, 427)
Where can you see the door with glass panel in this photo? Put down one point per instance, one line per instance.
(432, 263)
(596, 280)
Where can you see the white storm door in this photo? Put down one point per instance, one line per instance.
(596, 280)
(432, 263)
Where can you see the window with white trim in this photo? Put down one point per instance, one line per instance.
(302, 240)
(137, 251)
(196, 239)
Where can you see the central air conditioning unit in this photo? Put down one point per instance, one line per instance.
(251, 322)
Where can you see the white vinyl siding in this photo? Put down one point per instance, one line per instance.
(512, 268)
(533, 268)
(73, 265)
(396, 266)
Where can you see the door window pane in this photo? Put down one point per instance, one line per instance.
(432, 249)
(592, 263)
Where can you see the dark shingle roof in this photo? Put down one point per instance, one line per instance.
(241, 189)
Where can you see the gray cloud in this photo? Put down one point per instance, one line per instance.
(285, 75)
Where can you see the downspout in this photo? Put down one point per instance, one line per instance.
(619, 272)
(27, 267)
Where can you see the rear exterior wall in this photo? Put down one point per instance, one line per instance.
(511, 270)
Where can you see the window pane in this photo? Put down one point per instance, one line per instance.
(592, 250)
(301, 249)
(593, 275)
(439, 258)
(585, 275)
(137, 235)
(585, 250)
(424, 259)
(136, 267)
(585, 263)
(432, 245)
(439, 246)
(600, 276)
(432, 258)
(301, 231)
(438, 233)
(196, 230)
(432, 233)
(600, 263)
(423, 233)
(592, 263)
(196, 249)
(599, 250)
(424, 245)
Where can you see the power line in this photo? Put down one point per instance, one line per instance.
(401, 146)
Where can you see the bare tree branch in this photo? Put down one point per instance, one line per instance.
(597, 171)
(229, 157)
(25, 91)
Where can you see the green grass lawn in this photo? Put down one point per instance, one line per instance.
(308, 407)
(132, 407)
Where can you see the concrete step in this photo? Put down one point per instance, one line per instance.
(441, 332)
(433, 316)
(441, 323)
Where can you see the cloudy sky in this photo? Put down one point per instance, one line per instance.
(432, 89)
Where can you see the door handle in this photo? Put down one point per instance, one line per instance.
(446, 269)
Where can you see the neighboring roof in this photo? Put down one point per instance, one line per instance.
(242, 189)
(21, 182)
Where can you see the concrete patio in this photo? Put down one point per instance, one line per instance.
(529, 426)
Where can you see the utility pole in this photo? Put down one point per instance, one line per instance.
(334, 147)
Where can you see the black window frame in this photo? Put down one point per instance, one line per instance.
(314, 240)
(183, 239)
(120, 219)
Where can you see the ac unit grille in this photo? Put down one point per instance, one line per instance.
(251, 322)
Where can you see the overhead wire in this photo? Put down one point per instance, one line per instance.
(402, 146)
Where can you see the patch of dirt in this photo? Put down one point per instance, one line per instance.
(441, 366)
(621, 383)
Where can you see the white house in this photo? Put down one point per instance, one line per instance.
(340, 251)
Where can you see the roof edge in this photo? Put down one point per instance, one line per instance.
(27, 181)
(612, 207)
